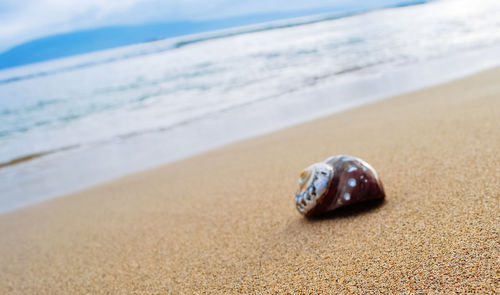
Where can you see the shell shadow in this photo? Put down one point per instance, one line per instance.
(350, 210)
(308, 227)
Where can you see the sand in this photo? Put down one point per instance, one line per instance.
(224, 221)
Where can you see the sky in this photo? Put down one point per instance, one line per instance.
(24, 20)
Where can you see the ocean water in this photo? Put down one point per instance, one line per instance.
(75, 122)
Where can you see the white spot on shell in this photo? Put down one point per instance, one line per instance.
(351, 182)
(347, 196)
(352, 168)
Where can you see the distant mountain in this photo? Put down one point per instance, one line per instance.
(78, 42)
(84, 41)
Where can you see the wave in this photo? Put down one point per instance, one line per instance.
(179, 42)
(274, 25)
(309, 81)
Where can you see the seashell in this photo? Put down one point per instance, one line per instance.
(338, 181)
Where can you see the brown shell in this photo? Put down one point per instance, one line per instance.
(353, 181)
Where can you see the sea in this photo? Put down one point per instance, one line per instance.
(72, 123)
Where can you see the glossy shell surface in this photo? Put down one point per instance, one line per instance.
(336, 182)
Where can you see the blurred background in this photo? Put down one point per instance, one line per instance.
(93, 90)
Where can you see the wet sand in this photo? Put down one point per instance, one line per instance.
(224, 221)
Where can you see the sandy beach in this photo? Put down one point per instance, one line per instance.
(224, 221)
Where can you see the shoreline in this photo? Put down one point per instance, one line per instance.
(53, 175)
(224, 220)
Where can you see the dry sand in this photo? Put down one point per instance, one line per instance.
(225, 222)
